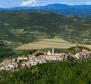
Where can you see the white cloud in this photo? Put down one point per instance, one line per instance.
(29, 3)
(88, 3)
(45, 2)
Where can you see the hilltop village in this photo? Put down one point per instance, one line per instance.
(32, 60)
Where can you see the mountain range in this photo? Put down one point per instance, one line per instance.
(27, 26)
(79, 10)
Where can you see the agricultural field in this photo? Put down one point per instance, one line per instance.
(49, 43)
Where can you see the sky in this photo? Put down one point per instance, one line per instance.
(18, 3)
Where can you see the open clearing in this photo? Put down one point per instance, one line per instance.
(49, 43)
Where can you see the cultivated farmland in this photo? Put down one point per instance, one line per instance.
(49, 43)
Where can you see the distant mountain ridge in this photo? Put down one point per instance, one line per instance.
(52, 6)
(79, 10)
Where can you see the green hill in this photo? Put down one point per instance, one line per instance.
(28, 26)
(50, 73)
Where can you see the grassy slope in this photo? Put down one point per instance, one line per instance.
(49, 43)
(26, 26)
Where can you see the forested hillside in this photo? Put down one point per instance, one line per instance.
(70, 72)
(28, 26)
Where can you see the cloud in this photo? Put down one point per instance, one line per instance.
(29, 3)
(46, 2)
(77, 3)
(88, 3)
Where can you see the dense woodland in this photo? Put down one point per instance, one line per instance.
(68, 72)
(27, 26)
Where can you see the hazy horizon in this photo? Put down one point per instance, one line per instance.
(20, 3)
